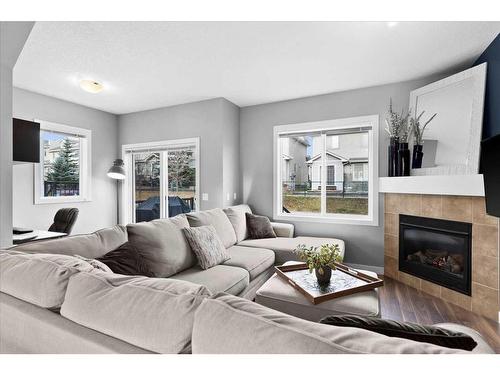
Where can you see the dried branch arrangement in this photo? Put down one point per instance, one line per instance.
(397, 124)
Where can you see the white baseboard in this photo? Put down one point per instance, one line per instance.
(376, 269)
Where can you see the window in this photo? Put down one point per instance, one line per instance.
(360, 172)
(334, 173)
(63, 174)
(163, 181)
(333, 142)
(330, 178)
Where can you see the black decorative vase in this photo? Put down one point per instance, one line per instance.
(392, 153)
(323, 279)
(403, 160)
(418, 155)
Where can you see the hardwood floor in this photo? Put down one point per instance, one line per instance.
(401, 302)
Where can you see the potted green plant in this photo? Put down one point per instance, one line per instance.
(320, 259)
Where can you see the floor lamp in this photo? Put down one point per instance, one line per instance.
(117, 172)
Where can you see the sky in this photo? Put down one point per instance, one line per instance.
(50, 136)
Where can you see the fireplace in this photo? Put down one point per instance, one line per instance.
(436, 250)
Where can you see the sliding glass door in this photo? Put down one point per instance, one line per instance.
(164, 179)
(147, 190)
(181, 181)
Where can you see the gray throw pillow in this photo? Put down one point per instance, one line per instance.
(207, 245)
(259, 227)
(405, 330)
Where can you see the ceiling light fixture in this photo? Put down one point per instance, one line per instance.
(91, 86)
(392, 24)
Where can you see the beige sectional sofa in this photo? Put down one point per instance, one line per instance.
(52, 302)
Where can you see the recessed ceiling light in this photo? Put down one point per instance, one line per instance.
(91, 86)
(392, 24)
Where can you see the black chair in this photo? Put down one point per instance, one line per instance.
(64, 220)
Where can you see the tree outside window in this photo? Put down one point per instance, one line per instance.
(62, 174)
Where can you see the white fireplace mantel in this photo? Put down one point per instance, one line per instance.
(467, 185)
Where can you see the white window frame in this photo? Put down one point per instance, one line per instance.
(371, 122)
(85, 164)
(127, 212)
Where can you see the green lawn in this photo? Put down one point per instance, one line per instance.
(338, 205)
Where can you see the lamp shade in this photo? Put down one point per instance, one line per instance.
(117, 171)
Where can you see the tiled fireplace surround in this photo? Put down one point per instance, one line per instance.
(485, 247)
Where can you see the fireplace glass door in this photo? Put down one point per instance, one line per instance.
(436, 250)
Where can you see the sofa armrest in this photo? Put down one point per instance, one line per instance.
(283, 229)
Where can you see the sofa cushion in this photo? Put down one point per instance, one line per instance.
(218, 219)
(259, 226)
(126, 260)
(236, 215)
(283, 229)
(29, 329)
(90, 246)
(232, 325)
(40, 279)
(220, 278)
(162, 245)
(154, 314)
(283, 247)
(254, 260)
(207, 246)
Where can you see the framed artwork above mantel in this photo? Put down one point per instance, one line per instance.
(455, 132)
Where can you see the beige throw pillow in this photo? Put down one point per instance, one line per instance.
(207, 245)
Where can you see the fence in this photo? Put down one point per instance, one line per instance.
(61, 189)
(333, 188)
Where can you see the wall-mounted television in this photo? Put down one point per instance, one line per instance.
(490, 168)
(25, 141)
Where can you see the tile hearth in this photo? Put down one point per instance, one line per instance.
(485, 250)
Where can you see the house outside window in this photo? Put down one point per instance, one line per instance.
(334, 174)
(63, 174)
(360, 172)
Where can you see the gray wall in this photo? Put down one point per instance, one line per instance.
(230, 153)
(215, 121)
(13, 35)
(94, 215)
(236, 153)
(363, 245)
(5, 156)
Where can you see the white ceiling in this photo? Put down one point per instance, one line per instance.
(145, 65)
